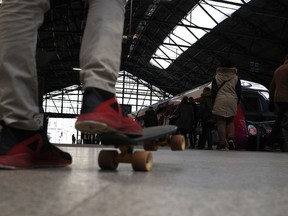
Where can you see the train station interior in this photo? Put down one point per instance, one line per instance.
(168, 47)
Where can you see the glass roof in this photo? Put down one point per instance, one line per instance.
(198, 22)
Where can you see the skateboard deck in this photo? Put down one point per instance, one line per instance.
(152, 138)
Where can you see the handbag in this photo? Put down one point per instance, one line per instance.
(198, 129)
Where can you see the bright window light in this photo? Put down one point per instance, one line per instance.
(198, 22)
(77, 69)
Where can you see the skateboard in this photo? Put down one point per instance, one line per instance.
(152, 138)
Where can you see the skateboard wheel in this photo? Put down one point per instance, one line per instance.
(177, 143)
(150, 146)
(106, 159)
(142, 161)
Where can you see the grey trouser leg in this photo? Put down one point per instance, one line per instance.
(101, 46)
(19, 22)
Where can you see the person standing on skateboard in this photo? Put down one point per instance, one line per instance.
(23, 142)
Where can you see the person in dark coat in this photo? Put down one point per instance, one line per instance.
(185, 118)
(150, 118)
(192, 134)
(73, 139)
(278, 95)
(206, 119)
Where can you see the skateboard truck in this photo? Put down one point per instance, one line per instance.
(175, 142)
(152, 138)
(140, 160)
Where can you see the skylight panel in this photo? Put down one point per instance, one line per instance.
(198, 22)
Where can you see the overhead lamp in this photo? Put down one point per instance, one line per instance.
(77, 69)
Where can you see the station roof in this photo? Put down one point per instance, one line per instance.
(166, 43)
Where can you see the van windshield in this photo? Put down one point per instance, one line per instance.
(251, 103)
(254, 101)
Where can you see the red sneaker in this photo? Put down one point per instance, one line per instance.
(106, 118)
(27, 149)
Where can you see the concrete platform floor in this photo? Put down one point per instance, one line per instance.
(192, 182)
